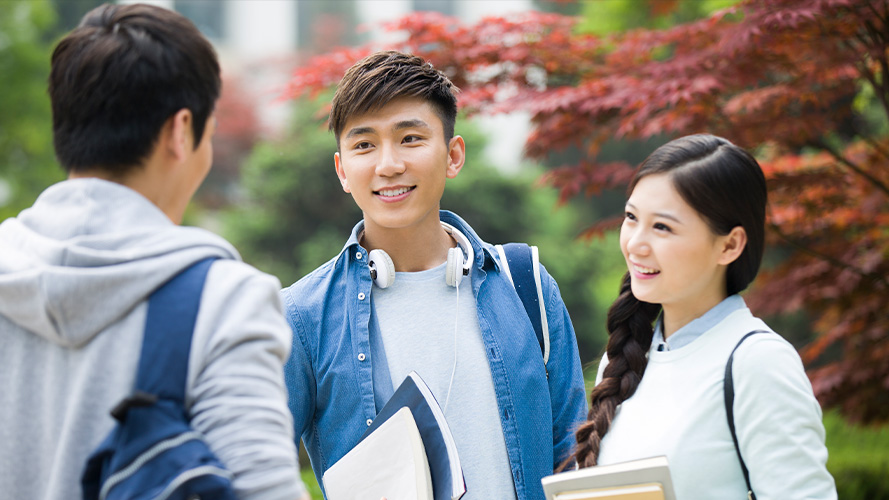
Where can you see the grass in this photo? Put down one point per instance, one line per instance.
(858, 458)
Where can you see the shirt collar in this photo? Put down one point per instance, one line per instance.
(478, 246)
(697, 327)
(354, 237)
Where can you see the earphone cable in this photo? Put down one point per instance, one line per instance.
(454, 369)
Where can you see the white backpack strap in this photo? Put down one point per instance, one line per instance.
(535, 263)
(535, 268)
(504, 264)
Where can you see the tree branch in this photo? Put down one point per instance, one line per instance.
(882, 16)
(827, 258)
(884, 66)
(821, 143)
(874, 32)
(872, 79)
(878, 52)
(874, 144)
(863, 69)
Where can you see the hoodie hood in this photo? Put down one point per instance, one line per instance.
(86, 254)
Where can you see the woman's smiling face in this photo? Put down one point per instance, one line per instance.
(674, 258)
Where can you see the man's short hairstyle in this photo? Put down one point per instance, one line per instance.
(381, 77)
(119, 76)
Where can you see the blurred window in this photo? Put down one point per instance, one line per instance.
(324, 26)
(446, 7)
(207, 15)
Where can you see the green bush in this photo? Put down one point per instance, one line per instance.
(858, 459)
(311, 483)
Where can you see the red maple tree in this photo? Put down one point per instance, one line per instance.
(803, 83)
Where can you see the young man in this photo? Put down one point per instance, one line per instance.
(363, 321)
(133, 90)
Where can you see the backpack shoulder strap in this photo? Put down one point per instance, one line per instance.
(520, 263)
(729, 392)
(169, 325)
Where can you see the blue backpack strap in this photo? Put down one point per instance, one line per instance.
(152, 451)
(525, 277)
(728, 387)
(166, 344)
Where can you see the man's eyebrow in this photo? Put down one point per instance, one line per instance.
(359, 131)
(413, 123)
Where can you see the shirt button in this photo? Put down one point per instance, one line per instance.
(369, 421)
(358, 255)
(361, 296)
(361, 356)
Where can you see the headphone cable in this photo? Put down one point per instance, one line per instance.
(454, 369)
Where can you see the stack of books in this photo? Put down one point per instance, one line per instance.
(645, 479)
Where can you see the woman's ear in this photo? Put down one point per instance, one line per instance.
(733, 245)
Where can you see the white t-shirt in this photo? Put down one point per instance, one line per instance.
(416, 315)
(678, 410)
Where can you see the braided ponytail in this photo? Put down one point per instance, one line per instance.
(629, 338)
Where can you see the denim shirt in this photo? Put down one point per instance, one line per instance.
(333, 365)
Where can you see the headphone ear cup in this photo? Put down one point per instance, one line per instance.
(380, 263)
(454, 270)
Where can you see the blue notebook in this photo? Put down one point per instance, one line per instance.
(441, 451)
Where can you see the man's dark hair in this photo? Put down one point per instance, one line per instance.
(119, 76)
(381, 77)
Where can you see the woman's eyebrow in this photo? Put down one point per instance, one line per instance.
(664, 215)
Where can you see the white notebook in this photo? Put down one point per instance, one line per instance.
(390, 462)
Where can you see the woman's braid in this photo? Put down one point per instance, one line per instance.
(629, 338)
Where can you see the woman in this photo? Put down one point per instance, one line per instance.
(693, 238)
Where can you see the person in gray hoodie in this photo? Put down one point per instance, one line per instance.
(133, 90)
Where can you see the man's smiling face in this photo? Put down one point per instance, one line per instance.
(395, 161)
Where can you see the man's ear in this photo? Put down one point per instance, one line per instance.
(733, 245)
(180, 135)
(341, 173)
(456, 156)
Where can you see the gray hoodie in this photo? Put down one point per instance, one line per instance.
(75, 272)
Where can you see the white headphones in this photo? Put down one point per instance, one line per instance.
(382, 269)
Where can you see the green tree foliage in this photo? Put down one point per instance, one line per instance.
(295, 215)
(604, 17)
(27, 159)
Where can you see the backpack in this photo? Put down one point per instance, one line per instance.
(153, 452)
(520, 263)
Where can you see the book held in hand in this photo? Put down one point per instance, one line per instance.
(390, 463)
(364, 471)
(645, 479)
